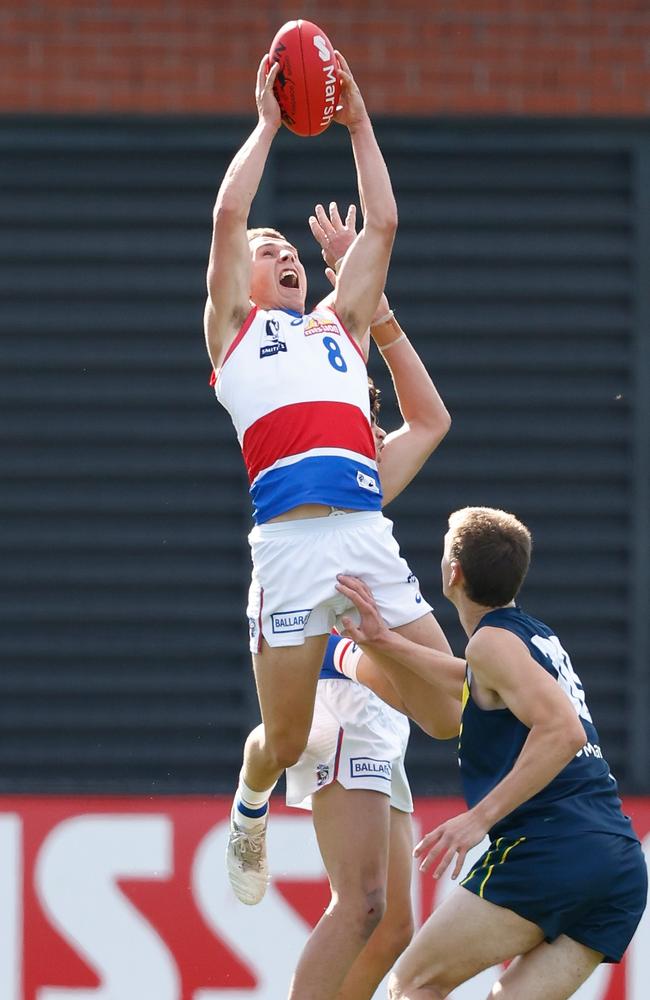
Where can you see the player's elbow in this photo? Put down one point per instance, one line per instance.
(445, 422)
(390, 219)
(567, 736)
(575, 737)
(212, 287)
(383, 220)
(427, 431)
(436, 427)
(228, 213)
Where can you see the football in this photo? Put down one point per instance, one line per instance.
(307, 85)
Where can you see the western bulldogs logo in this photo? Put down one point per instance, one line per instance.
(322, 774)
(271, 343)
(319, 324)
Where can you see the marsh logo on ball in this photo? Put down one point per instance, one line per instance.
(331, 93)
(323, 50)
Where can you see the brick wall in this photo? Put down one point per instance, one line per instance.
(433, 56)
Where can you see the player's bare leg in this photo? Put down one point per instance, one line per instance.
(548, 972)
(394, 932)
(286, 680)
(461, 938)
(352, 827)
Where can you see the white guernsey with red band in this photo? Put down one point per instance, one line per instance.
(296, 388)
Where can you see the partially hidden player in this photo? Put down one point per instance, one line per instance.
(296, 388)
(352, 773)
(563, 884)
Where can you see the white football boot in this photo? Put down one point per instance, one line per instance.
(246, 862)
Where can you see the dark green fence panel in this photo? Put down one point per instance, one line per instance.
(521, 271)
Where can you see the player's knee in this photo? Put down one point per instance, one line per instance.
(368, 908)
(373, 909)
(401, 986)
(285, 749)
(363, 908)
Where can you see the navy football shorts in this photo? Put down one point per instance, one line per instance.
(590, 886)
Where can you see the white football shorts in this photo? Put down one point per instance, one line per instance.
(295, 564)
(355, 739)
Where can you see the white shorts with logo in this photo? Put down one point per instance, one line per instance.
(355, 739)
(295, 564)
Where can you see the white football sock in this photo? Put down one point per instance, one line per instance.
(251, 806)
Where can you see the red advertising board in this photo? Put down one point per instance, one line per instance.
(127, 898)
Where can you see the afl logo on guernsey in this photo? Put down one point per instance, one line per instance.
(271, 343)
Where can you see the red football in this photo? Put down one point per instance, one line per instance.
(307, 85)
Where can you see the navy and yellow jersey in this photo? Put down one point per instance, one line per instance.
(584, 795)
(328, 671)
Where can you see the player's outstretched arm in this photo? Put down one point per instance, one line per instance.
(426, 418)
(229, 263)
(443, 672)
(363, 273)
(351, 661)
(407, 693)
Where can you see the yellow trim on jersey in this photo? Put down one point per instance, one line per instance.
(482, 887)
(465, 697)
(491, 851)
(508, 849)
(464, 700)
(486, 861)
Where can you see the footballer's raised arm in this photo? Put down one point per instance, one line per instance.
(363, 273)
(229, 265)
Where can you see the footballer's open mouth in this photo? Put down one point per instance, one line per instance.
(289, 278)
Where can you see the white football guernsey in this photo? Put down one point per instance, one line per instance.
(296, 388)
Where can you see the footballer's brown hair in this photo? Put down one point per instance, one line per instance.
(375, 400)
(493, 549)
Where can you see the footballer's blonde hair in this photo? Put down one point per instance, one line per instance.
(252, 234)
